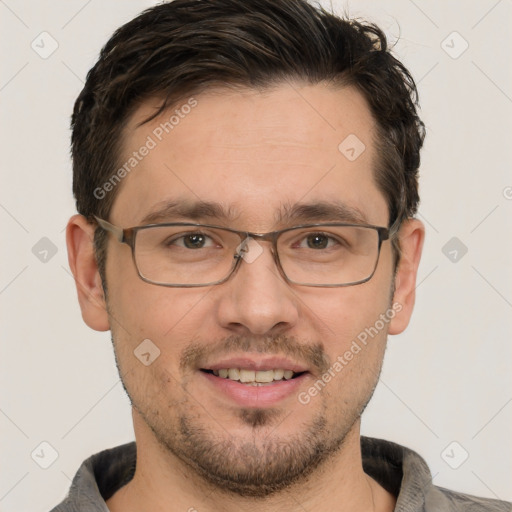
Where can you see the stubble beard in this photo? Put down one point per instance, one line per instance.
(260, 463)
(256, 466)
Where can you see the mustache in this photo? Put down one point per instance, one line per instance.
(197, 354)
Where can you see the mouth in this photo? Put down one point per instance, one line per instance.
(254, 382)
(254, 377)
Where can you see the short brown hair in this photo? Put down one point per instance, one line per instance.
(182, 47)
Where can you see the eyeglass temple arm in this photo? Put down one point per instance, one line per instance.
(116, 231)
(395, 228)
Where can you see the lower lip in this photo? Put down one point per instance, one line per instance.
(246, 395)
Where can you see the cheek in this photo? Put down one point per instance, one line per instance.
(355, 341)
(341, 315)
(148, 341)
(143, 310)
(353, 322)
(152, 325)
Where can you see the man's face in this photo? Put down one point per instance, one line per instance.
(254, 154)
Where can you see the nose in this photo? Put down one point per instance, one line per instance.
(257, 299)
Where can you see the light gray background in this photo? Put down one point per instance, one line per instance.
(446, 379)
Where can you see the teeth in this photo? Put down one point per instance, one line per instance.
(254, 377)
(264, 376)
(278, 374)
(234, 374)
(247, 375)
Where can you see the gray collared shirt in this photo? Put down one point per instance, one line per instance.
(399, 470)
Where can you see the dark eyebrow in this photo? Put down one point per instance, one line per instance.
(200, 210)
(321, 211)
(299, 213)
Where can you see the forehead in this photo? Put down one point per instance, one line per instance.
(254, 153)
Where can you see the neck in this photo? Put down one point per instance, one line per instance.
(162, 482)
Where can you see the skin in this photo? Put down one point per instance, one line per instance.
(252, 151)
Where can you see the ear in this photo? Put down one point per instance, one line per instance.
(82, 261)
(411, 236)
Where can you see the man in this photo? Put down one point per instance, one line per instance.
(246, 181)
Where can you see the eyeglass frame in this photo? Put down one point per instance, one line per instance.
(128, 235)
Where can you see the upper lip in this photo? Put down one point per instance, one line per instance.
(256, 364)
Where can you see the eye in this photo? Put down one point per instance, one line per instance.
(192, 241)
(317, 241)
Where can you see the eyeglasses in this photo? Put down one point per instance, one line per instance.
(187, 255)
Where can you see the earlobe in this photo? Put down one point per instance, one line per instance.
(412, 235)
(83, 265)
